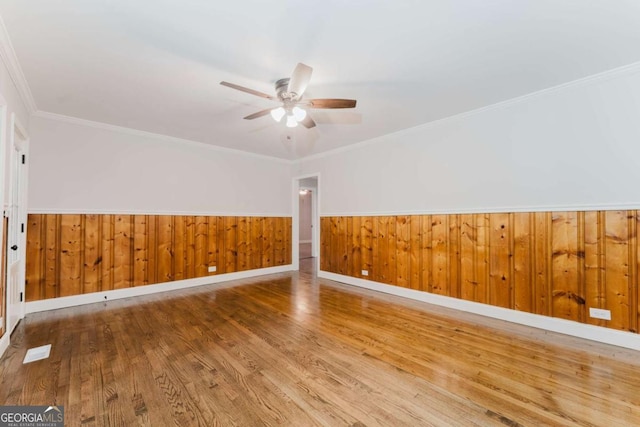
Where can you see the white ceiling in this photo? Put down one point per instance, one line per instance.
(155, 65)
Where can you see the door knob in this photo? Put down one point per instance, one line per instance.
(14, 247)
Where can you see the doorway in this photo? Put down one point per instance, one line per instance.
(306, 222)
(15, 212)
(306, 218)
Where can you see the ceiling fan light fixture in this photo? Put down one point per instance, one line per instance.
(289, 92)
(291, 122)
(277, 114)
(299, 113)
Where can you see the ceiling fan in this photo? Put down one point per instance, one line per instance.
(289, 92)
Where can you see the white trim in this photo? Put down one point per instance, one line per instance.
(567, 327)
(142, 133)
(176, 213)
(585, 81)
(305, 241)
(315, 224)
(22, 131)
(8, 55)
(295, 223)
(18, 132)
(459, 211)
(4, 343)
(4, 340)
(71, 301)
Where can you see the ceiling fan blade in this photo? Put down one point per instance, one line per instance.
(308, 122)
(247, 90)
(259, 114)
(300, 79)
(330, 103)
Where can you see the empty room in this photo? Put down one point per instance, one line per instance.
(409, 213)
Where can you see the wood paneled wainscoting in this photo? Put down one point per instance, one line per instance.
(556, 264)
(74, 254)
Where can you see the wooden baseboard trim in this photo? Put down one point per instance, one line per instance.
(590, 332)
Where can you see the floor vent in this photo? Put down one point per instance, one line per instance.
(37, 353)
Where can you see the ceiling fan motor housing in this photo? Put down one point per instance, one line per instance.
(281, 90)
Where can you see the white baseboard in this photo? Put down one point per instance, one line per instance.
(4, 343)
(563, 326)
(70, 301)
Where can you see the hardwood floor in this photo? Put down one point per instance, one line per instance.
(290, 349)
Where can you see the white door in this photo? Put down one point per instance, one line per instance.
(3, 272)
(17, 227)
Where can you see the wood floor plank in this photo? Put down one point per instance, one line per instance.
(292, 349)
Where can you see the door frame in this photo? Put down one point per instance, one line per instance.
(17, 229)
(4, 341)
(315, 220)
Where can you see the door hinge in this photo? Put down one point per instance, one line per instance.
(22, 227)
(20, 296)
(24, 159)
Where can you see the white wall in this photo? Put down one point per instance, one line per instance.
(573, 146)
(85, 168)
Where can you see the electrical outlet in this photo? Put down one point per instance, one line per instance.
(365, 272)
(599, 313)
(212, 269)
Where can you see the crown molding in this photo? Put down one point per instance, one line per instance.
(8, 56)
(141, 133)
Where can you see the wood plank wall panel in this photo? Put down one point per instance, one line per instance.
(180, 247)
(280, 243)
(366, 242)
(140, 253)
(256, 242)
(439, 255)
(617, 273)
(122, 255)
(106, 262)
(267, 242)
(69, 258)
(35, 260)
(200, 243)
(73, 254)
(556, 264)
(468, 238)
(523, 277)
